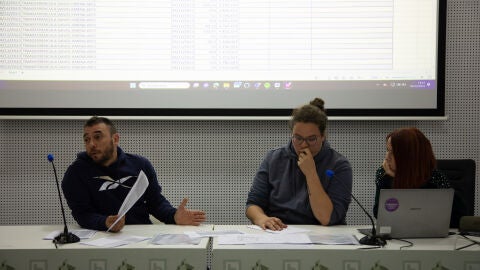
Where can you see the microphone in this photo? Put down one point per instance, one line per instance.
(65, 237)
(370, 240)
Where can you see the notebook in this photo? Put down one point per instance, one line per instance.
(414, 213)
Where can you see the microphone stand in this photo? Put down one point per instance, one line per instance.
(65, 237)
(369, 240)
(374, 239)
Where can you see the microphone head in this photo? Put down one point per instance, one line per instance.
(329, 173)
(50, 157)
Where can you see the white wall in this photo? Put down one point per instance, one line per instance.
(213, 162)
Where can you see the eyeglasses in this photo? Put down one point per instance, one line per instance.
(298, 140)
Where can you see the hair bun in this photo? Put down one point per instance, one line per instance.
(318, 102)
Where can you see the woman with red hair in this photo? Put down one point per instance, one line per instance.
(409, 163)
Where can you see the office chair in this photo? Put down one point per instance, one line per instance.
(461, 173)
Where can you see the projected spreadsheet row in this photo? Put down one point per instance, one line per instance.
(165, 36)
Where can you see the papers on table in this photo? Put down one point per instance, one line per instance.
(81, 233)
(115, 241)
(289, 235)
(245, 239)
(193, 234)
(288, 230)
(132, 197)
(175, 239)
(334, 239)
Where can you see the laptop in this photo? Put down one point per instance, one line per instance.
(414, 213)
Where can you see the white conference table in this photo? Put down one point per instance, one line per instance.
(425, 253)
(22, 247)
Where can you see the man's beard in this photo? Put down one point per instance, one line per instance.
(108, 154)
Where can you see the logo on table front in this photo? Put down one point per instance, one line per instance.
(66, 266)
(125, 266)
(231, 265)
(98, 264)
(291, 265)
(38, 264)
(319, 266)
(259, 266)
(351, 265)
(184, 266)
(378, 266)
(439, 266)
(412, 265)
(158, 265)
(5, 266)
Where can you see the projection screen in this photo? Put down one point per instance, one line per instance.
(251, 58)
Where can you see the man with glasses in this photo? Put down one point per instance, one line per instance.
(291, 186)
(97, 182)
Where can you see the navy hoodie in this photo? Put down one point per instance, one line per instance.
(92, 199)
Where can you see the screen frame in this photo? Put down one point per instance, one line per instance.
(437, 113)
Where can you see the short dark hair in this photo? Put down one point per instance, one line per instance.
(94, 120)
(314, 112)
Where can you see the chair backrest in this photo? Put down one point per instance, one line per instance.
(461, 173)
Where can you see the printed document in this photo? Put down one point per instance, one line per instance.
(132, 197)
